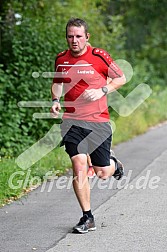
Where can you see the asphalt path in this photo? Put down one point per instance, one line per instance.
(130, 215)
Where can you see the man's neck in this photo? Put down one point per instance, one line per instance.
(79, 53)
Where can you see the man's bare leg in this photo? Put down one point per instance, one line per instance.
(105, 172)
(80, 183)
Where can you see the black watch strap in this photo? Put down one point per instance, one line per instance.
(55, 100)
(105, 90)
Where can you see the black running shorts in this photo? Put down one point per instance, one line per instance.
(88, 138)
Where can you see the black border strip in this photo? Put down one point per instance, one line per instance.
(96, 54)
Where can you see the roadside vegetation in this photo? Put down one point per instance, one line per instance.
(15, 182)
(31, 34)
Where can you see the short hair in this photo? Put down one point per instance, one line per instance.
(77, 22)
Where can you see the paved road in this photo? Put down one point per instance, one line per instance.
(129, 217)
(133, 220)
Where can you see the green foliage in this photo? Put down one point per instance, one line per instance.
(131, 30)
(146, 37)
(34, 43)
(32, 51)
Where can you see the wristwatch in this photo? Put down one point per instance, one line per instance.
(56, 100)
(105, 90)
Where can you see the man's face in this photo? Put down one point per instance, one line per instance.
(76, 39)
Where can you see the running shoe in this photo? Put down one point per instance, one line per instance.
(91, 173)
(85, 224)
(119, 168)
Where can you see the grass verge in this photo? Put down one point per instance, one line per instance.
(150, 113)
(15, 182)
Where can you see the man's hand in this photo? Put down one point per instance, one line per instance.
(55, 109)
(93, 94)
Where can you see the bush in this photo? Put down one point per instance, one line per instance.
(31, 47)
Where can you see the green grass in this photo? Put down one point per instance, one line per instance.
(150, 113)
(15, 182)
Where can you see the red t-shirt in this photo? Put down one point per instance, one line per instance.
(77, 74)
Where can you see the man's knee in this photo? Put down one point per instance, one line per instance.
(79, 164)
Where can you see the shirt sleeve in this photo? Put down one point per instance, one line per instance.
(109, 67)
(114, 71)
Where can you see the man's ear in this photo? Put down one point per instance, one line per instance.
(87, 36)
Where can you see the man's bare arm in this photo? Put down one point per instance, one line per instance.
(56, 91)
